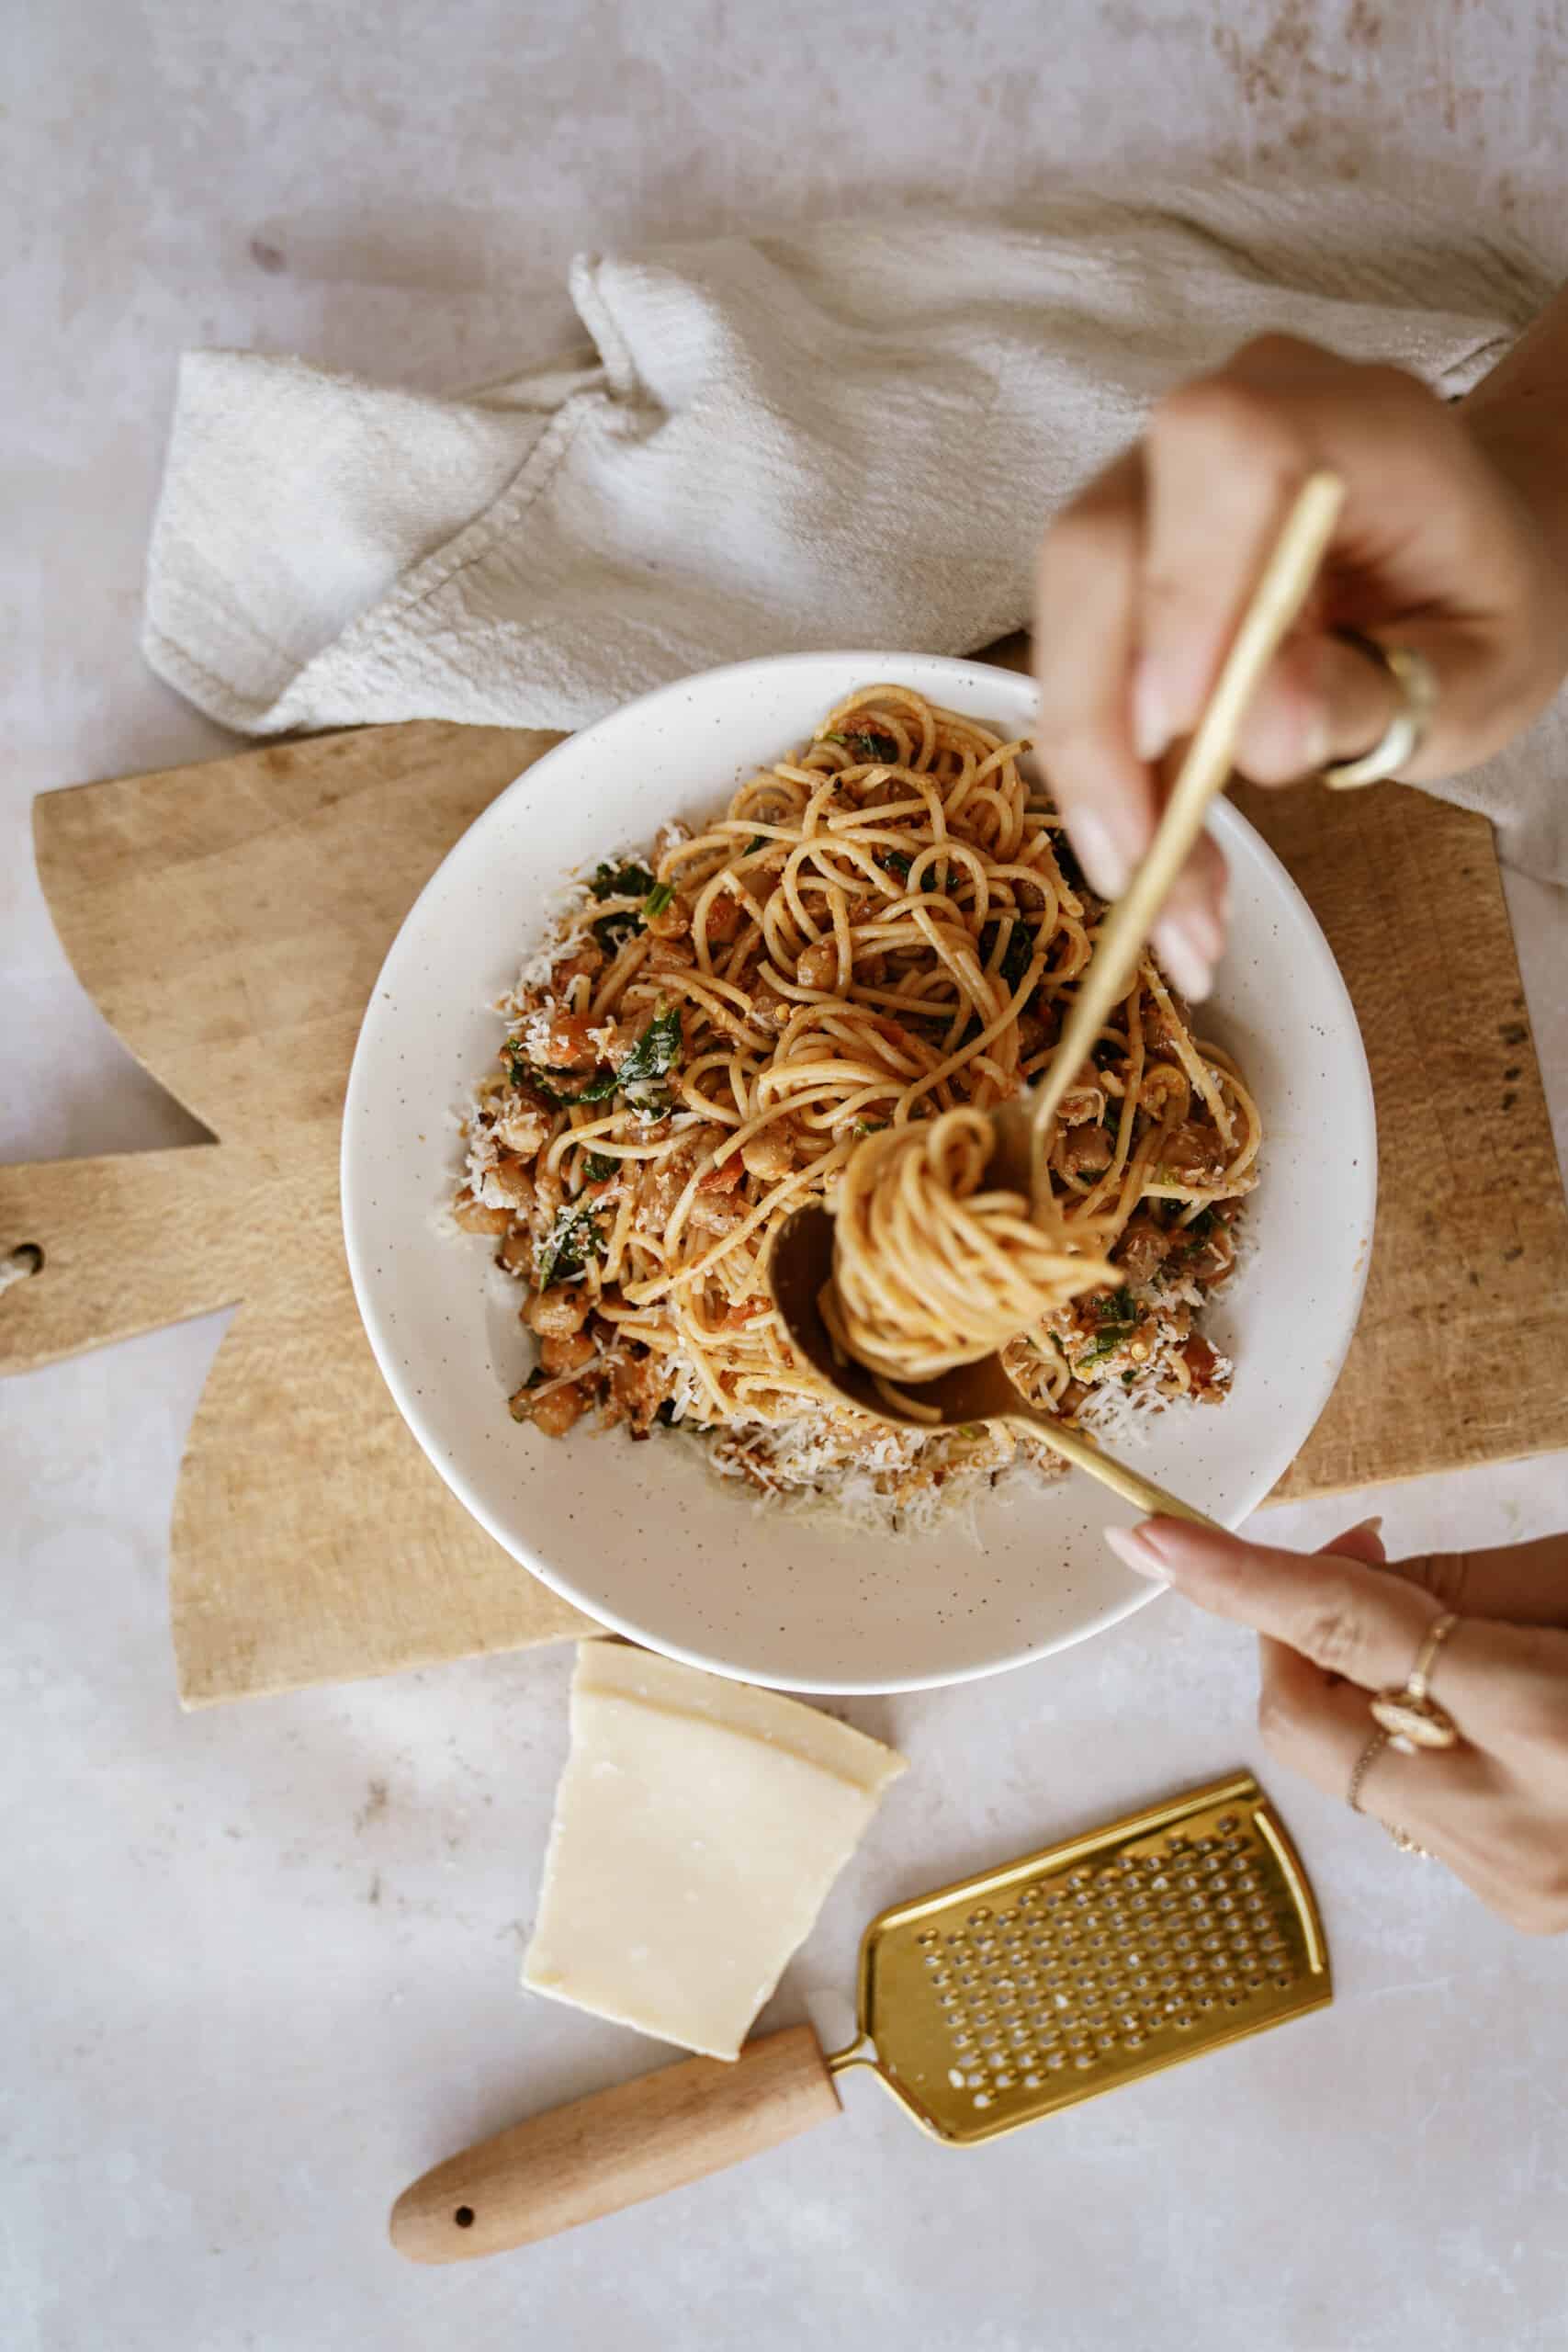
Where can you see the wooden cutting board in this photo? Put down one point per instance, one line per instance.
(229, 920)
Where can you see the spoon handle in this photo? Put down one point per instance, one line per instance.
(1281, 589)
(1084, 1454)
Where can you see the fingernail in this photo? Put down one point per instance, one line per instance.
(1151, 728)
(1100, 854)
(1373, 1526)
(1133, 1549)
(1182, 951)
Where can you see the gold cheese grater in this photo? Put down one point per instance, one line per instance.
(981, 2007)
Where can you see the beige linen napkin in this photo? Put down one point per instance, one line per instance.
(847, 436)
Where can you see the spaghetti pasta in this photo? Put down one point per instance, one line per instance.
(929, 1270)
(876, 939)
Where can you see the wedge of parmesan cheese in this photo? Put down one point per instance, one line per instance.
(698, 1826)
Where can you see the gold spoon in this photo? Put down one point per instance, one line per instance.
(801, 1259)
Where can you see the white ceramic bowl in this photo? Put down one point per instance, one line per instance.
(642, 1536)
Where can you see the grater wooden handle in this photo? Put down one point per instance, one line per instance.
(615, 2148)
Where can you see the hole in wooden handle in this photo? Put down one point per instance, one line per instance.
(25, 1260)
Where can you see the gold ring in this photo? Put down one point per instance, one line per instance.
(1409, 1716)
(1363, 1765)
(1417, 680)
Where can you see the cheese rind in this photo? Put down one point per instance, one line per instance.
(699, 1824)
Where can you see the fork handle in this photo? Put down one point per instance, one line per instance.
(1202, 770)
(1074, 1446)
(615, 2148)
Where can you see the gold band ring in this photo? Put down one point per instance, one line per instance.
(1408, 1714)
(1416, 682)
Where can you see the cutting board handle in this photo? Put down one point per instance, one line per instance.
(615, 2148)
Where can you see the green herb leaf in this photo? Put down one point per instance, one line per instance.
(658, 899)
(656, 1053)
(573, 1239)
(757, 842)
(619, 882)
(894, 861)
(599, 1165)
(1017, 955)
(871, 1127)
(1067, 865)
(870, 745)
(598, 1089)
(622, 882)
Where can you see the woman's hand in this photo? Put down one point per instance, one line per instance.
(1442, 546)
(1339, 1624)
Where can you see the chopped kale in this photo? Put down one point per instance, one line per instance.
(1067, 865)
(1116, 1317)
(620, 882)
(894, 861)
(1106, 1053)
(656, 1053)
(661, 896)
(1017, 955)
(573, 1239)
(599, 1165)
(869, 745)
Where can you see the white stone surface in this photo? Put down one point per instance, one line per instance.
(260, 1964)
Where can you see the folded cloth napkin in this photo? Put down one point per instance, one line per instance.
(847, 436)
